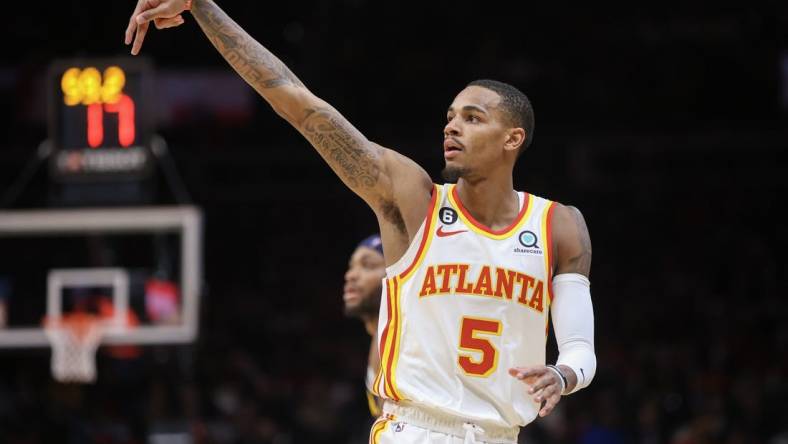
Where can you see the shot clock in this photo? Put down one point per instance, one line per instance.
(100, 120)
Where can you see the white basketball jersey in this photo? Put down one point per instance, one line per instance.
(461, 307)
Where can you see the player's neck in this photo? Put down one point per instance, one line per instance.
(493, 203)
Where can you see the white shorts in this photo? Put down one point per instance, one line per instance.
(409, 424)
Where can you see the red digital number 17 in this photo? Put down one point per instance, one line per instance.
(124, 108)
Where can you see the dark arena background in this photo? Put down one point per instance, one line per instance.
(665, 124)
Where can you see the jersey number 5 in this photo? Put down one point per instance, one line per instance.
(481, 348)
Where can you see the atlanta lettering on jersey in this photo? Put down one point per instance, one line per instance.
(494, 282)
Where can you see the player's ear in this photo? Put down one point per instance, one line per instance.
(515, 137)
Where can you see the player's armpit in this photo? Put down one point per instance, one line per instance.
(401, 213)
(571, 241)
(411, 190)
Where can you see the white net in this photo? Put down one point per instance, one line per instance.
(74, 341)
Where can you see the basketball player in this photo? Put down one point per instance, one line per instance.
(363, 279)
(473, 268)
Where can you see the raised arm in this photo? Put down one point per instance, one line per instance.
(366, 168)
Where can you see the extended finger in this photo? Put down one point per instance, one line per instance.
(540, 395)
(132, 24)
(544, 381)
(139, 38)
(524, 372)
(130, 31)
(549, 405)
(164, 23)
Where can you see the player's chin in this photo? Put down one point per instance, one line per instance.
(453, 171)
(352, 310)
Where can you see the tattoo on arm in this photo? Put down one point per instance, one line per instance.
(346, 150)
(356, 160)
(258, 66)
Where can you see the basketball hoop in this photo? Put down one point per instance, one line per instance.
(74, 337)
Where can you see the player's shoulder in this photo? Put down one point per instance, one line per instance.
(555, 206)
(564, 211)
(563, 217)
(569, 228)
(402, 165)
(569, 216)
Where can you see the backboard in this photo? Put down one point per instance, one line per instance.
(45, 267)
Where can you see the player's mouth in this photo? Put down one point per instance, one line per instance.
(350, 294)
(451, 148)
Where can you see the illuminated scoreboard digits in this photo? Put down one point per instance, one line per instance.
(100, 94)
(98, 123)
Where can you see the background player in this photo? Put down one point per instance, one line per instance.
(361, 296)
(489, 125)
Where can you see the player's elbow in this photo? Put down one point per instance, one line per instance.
(290, 112)
(293, 103)
(284, 112)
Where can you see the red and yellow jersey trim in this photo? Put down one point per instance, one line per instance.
(484, 230)
(384, 347)
(379, 427)
(374, 404)
(426, 235)
(547, 235)
(385, 383)
(393, 351)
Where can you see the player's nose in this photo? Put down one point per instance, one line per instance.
(451, 128)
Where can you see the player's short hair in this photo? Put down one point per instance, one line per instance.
(515, 106)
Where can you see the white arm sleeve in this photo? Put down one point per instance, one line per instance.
(573, 322)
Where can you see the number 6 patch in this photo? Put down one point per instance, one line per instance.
(448, 216)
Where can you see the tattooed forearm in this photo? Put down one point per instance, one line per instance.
(258, 66)
(346, 150)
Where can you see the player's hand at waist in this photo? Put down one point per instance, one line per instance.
(163, 13)
(542, 383)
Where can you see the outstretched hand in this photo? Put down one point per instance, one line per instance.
(542, 384)
(163, 13)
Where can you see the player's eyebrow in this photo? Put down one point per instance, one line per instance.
(470, 108)
(474, 108)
